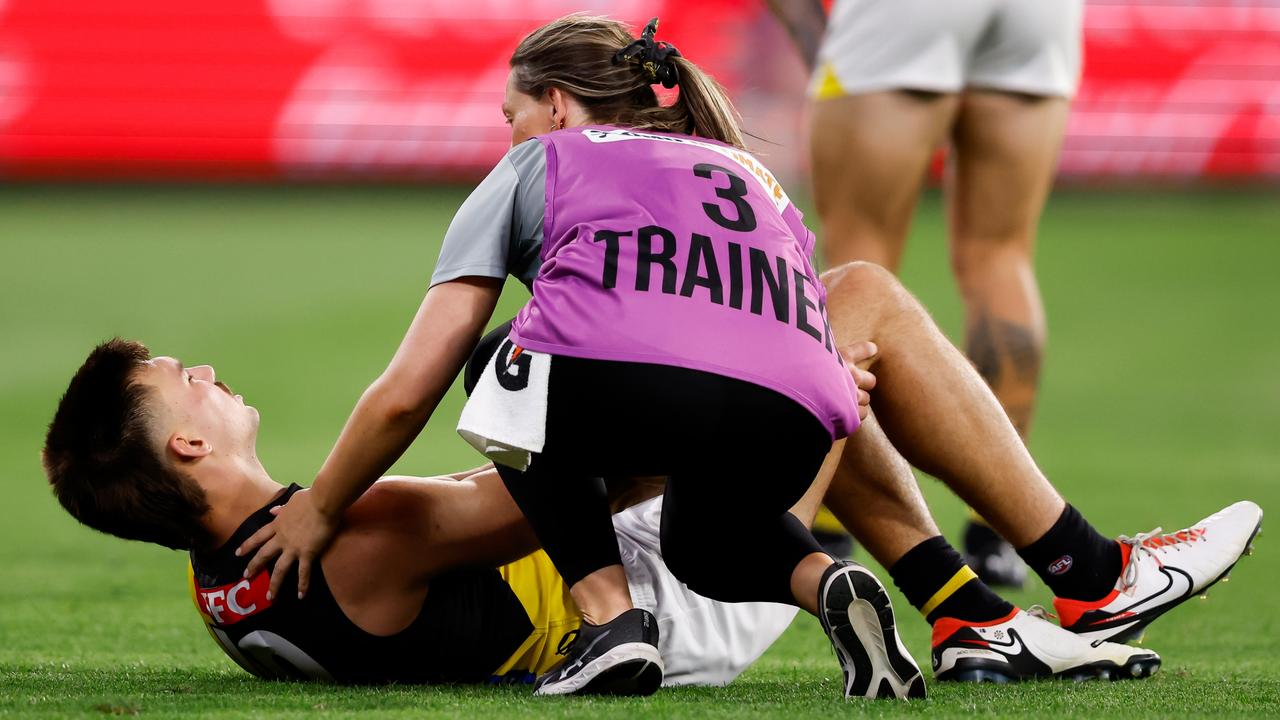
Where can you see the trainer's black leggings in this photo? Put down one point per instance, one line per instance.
(737, 456)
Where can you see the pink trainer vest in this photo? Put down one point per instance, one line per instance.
(675, 250)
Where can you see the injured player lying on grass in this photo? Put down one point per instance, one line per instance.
(432, 580)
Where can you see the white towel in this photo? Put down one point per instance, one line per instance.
(506, 416)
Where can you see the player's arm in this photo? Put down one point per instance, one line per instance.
(805, 21)
(395, 408)
(427, 526)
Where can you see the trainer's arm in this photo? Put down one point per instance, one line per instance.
(389, 415)
(398, 404)
(465, 474)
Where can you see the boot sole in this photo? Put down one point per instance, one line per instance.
(856, 614)
(989, 671)
(633, 669)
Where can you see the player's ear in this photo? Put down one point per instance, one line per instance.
(188, 446)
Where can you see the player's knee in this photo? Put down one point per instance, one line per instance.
(859, 276)
(861, 285)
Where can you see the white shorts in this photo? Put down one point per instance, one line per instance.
(1025, 46)
(703, 642)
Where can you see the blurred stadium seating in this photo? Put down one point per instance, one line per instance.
(342, 89)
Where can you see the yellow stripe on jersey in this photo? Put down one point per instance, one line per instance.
(191, 585)
(957, 581)
(555, 618)
(826, 86)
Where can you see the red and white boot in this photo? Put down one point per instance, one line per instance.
(1161, 571)
(1025, 646)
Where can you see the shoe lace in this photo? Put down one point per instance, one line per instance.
(1138, 546)
(1039, 611)
(1149, 543)
(1155, 540)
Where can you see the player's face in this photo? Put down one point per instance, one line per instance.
(195, 402)
(527, 115)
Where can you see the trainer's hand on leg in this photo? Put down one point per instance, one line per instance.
(300, 532)
(859, 357)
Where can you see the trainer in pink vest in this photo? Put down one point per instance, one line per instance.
(668, 249)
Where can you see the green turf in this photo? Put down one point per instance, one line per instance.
(1161, 403)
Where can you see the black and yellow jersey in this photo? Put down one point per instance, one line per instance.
(475, 625)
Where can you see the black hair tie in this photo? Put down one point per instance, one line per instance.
(653, 56)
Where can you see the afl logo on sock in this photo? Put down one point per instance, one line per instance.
(1061, 565)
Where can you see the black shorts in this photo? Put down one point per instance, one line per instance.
(737, 457)
(636, 418)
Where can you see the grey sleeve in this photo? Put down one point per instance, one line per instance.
(498, 230)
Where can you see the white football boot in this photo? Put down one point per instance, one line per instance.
(1024, 646)
(1163, 570)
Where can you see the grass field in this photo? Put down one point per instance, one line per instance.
(1161, 403)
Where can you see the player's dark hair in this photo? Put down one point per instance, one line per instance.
(576, 54)
(103, 463)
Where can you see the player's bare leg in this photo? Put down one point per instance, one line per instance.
(806, 577)
(937, 411)
(602, 595)
(874, 494)
(806, 508)
(870, 154)
(935, 408)
(1006, 147)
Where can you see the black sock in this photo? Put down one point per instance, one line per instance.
(1074, 559)
(936, 581)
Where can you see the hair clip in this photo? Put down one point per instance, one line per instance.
(652, 55)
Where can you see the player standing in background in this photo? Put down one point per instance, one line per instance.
(892, 82)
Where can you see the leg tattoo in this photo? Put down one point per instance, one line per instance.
(1008, 356)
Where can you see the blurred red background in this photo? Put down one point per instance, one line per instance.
(262, 89)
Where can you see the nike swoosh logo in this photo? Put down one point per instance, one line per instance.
(1013, 647)
(1177, 579)
(585, 651)
(1178, 587)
